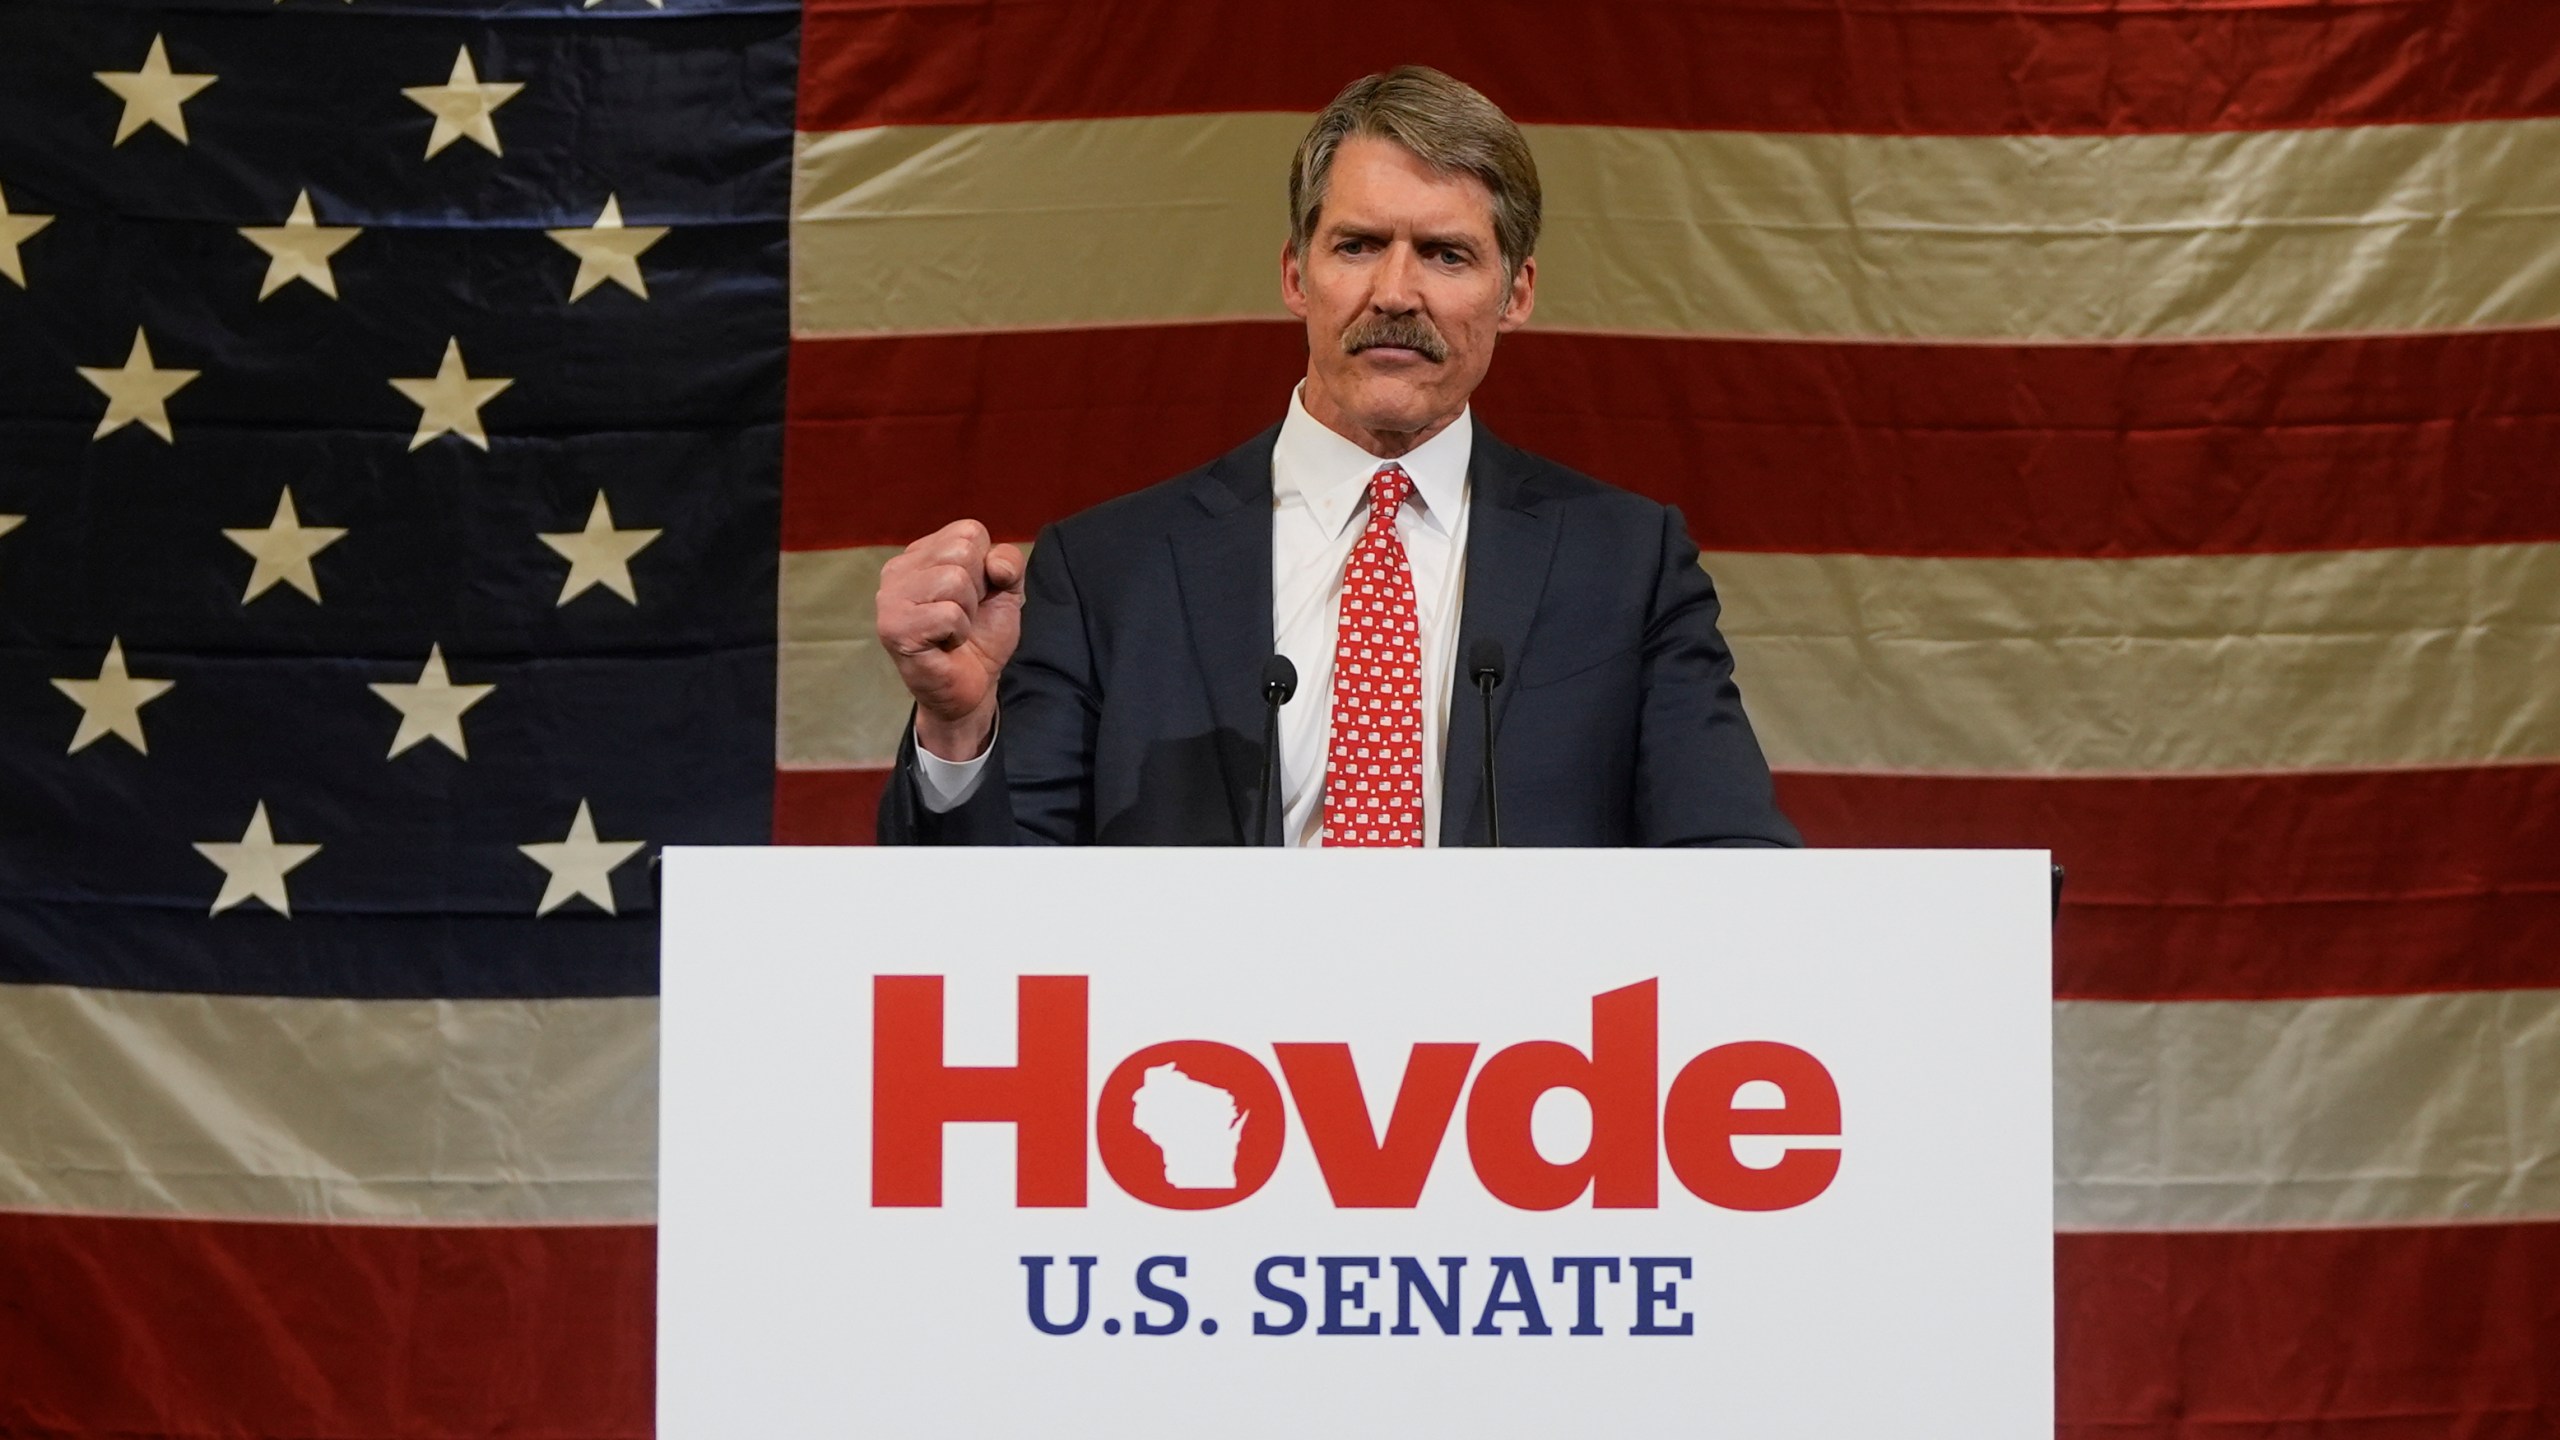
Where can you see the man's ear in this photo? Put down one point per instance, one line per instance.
(1293, 285)
(1522, 299)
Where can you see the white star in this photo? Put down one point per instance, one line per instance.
(254, 866)
(13, 230)
(283, 551)
(11, 522)
(450, 401)
(599, 554)
(153, 94)
(432, 708)
(609, 250)
(463, 107)
(299, 249)
(112, 703)
(137, 392)
(580, 865)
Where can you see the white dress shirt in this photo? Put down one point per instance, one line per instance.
(1319, 506)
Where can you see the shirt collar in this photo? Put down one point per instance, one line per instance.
(1330, 475)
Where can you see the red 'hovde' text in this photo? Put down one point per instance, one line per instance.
(1043, 1096)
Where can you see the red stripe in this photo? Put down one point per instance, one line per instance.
(1980, 67)
(1986, 450)
(2253, 886)
(826, 807)
(2412, 1334)
(2181, 888)
(193, 1328)
(889, 439)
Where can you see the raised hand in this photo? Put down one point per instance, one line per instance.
(949, 614)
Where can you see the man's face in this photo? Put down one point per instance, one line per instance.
(1403, 292)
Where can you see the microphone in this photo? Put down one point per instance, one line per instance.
(1484, 666)
(1279, 682)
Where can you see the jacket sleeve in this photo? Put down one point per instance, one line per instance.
(1700, 776)
(1038, 789)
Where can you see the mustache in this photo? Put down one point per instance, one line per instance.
(1403, 332)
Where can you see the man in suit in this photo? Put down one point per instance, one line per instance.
(1111, 689)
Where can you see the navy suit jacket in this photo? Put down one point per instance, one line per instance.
(1132, 712)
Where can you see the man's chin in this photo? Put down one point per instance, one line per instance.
(1398, 409)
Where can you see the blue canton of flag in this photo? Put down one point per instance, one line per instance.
(389, 473)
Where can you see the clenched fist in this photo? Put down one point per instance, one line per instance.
(950, 613)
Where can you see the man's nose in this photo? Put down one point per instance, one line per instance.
(1397, 290)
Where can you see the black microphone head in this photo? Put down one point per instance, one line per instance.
(1484, 661)
(1279, 680)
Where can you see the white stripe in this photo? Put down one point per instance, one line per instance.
(2317, 230)
(2180, 664)
(2408, 1109)
(2183, 664)
(395, 1111)
(838, 700)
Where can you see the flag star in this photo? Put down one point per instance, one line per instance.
(153, 94)
(11, 522)
(254, 866)
(15, 230)
(609, 250)
(283, 551)
(463, 106)
(580, 864)
(138, 392)
(112, 703)
(449, 402)
(599, 554)
(299, 249)
(432, 708)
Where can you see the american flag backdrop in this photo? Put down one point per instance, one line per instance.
(446, 450)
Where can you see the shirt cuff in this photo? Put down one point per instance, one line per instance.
(946, 785)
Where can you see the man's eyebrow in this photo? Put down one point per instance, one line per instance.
(1440, 240)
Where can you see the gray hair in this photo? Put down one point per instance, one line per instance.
(1449, 126)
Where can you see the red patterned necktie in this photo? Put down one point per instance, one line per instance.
(1373, 769)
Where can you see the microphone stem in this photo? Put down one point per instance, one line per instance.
(1279, 682)
(1492, 795)
(1270, 775)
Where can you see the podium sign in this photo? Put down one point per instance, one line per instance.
(1280, 1143)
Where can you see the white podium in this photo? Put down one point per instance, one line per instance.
(1279, 1143)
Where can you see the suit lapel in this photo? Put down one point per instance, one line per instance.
(1511, 539)
(1222, 559)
